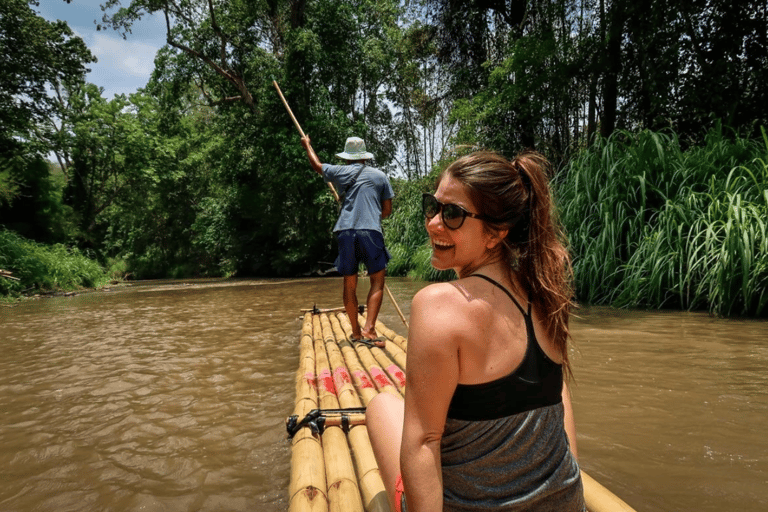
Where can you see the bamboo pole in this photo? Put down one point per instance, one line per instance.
(396, 373)
(371, 486)
(324, 310)
(8, 275)
(301, 132)
(307, 488)
(343, 490)
(360, 378)
(392, 298)
(600, 499)
(392, 335)
(380, 378)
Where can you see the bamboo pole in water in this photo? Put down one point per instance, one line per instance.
(307, 491)
(343, 492)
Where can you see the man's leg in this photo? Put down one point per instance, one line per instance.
(350, 303)
(375, 297)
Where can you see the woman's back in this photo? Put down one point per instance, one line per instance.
(490, 326)
(504, 445)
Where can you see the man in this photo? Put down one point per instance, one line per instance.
(366, 198)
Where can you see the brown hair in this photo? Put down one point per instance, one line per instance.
(516, 195)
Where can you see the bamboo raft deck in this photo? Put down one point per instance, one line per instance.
(332, 463)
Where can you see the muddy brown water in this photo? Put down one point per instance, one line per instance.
(172, 396)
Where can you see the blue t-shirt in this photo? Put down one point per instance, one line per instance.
(361, 205)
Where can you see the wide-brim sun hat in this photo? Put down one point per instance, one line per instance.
(354, 149)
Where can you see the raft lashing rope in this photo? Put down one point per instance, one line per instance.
(317, 419)
(332, 463)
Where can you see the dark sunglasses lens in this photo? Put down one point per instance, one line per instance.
(453, 216)
(430, 206)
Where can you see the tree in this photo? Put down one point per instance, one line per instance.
(113, 158)
(333, 60)
(217, 38)
(38, 55)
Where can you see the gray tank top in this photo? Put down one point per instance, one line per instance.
(520, 462)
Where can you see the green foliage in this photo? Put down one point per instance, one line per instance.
(44, 268)
(652, 225)
(34, 208)
(524, 103)
(38, 56)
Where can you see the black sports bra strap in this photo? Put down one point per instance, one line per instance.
(499, 285)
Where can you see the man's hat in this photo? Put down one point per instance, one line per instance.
(354, 149)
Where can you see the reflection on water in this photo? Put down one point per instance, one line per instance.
(172, 396)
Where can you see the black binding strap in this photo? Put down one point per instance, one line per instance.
(315, 420)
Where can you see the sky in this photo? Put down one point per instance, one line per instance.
(124, 65)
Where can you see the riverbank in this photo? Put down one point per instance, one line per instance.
(31, 268)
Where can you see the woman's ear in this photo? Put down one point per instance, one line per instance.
(495, 237)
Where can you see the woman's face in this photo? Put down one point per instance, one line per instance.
(464, 249)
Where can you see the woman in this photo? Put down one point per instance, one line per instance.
(487, 422)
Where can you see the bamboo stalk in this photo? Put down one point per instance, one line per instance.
(371, 486)
(307, 488)
(392, 335)
(392, 298)
(343, 491)
(324, 310)
(380, 378)
(301, 132)
(360, 378)
(8, 275)
(395, 373)
(600, 499)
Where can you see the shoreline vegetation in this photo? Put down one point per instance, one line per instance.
(651, 224)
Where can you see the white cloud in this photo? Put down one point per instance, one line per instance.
(124, 56)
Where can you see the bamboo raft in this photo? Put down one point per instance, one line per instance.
(332, 463)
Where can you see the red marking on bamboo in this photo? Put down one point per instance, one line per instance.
(397, 373)
(311, 380)
(341, 377)
(365, 382)
(380, 377)
(327, 381)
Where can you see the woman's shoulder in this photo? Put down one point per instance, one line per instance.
(441, 303)
(436, 292)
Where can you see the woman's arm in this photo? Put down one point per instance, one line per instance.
(432, 368)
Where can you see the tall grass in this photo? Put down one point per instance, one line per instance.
(653, 225)
(44, 268)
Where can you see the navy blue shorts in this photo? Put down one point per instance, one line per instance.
(361, 246)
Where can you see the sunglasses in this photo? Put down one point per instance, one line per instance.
(452, 215)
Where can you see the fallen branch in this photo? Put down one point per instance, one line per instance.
(6, 274)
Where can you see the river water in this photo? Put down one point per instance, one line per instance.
(172, 396)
